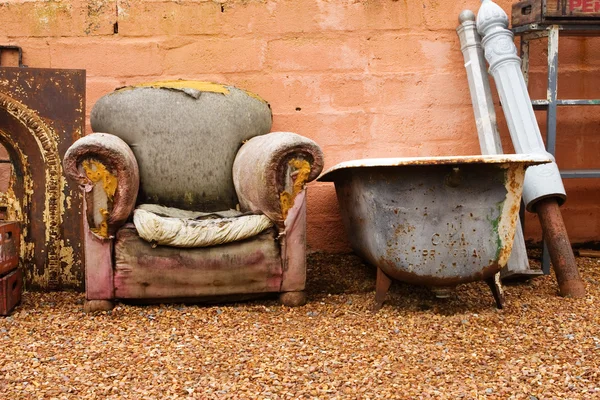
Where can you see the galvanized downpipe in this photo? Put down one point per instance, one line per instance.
(543, 190)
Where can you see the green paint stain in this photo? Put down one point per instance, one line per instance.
(495, 227)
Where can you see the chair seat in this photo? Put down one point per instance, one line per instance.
(164, 272)
(180, 228)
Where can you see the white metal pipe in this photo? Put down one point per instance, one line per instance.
(541, 181)
(479, 85)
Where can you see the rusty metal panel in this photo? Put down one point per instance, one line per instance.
(42, 112)
(9, 246)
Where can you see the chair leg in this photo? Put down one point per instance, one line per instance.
(91, 306)
(293, 299)
(382, 285)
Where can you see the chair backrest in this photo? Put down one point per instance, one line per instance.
(185, 135)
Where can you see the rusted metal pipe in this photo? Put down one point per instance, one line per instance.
(559, 247)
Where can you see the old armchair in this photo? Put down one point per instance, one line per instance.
(188, 197)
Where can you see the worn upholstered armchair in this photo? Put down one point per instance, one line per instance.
(188, 197)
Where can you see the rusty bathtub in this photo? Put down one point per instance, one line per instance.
(435, 221)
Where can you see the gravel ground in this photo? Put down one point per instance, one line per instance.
(540, 346)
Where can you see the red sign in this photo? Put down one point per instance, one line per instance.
(584, 6)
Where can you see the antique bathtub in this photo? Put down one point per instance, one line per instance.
(436, 221)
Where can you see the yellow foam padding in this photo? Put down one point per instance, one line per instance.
(183, 84)
(97, 172)
(302, 168)
(286, 203)
(103, 229)
(198, 85)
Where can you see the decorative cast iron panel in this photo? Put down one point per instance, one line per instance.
(42, 112)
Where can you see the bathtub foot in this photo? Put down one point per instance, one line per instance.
(443, 292)
(496, 285)
(382, 285)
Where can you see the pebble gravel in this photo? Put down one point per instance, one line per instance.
(540, 346)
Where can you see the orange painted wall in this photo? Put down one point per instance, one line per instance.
(364, 78)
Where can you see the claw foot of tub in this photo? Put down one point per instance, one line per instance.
(496, 286)
(443, 292)
(382, 285)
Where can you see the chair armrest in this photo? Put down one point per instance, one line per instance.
(270, 170)
(106, 169)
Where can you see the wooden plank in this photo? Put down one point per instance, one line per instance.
(589, 253)
(568, 12)
(10, 233)
(526, 12)
(572, 9)
(11, 286)
(554, 8)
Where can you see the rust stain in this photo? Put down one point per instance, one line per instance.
(415, 278)
(513, 182)
(527, 159)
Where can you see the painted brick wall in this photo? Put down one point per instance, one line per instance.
(364, 78)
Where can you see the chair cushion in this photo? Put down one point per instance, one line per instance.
(179, 228)
(185, 135)
(165, 272)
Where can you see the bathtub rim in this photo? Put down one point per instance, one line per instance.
(526, 159)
